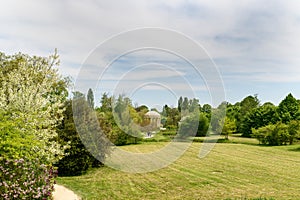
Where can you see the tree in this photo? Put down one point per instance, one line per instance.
(203, 125)
(32, 92)
(142, 108)
(217, 118)
(173, 117)
(165, 110)
(206, 109)
(233, 111)
(188, 126)
(229, 127)
(179, 106)
(126, 118)
(78, 158)
(259, 117)
(91, 133)
(138, 116)
(294, 130)
(106, 103)
(194, 105)
(185, 105)
(288, 109)
(119, 120)
(90, 98)
(249, 103)
(246, 105)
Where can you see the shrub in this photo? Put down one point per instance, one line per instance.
(16, 142)
(24, 179)
(273, 134)
(77, 160)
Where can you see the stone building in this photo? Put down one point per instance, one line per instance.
(154, 119)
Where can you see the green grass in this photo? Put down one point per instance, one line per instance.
(230, 171)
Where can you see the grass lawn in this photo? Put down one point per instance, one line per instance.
(230, 171)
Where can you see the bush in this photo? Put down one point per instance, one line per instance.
(76, 162)
(16, 143)
(169, 132)
(273, 134)
(24, 179)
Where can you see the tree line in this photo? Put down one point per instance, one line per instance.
(270, 124)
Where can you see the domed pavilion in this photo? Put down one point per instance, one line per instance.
(154, 118)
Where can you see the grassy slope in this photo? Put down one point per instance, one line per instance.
(229, 171)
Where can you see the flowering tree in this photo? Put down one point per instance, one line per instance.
(32, 94)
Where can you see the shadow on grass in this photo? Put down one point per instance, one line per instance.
(223, 140)
(295, 149)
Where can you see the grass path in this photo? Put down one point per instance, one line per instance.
(230, 171)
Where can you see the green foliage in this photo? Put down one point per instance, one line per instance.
(273, 134)
(186, 106)
(78, 159)
(274, 125)
(217, 118)
(165, 111)
(249, 103)
(194, 105)
(169, 132)
(24, 179)
(173, 117)
(16, 141)
(180, 101)
(202, 125)
(31, 105)
(294, 130)
(288, 109)
(245, 106)
(119, 120)
(89, 129)
(188, 126)
(32, 94)
(233, 111)
(126, 119)
(259, 117)
(90, 98)
(106, 103)
(229, 127)
(206, 108)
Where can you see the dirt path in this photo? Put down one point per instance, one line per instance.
(62, 193)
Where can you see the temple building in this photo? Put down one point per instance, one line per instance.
(154, 118)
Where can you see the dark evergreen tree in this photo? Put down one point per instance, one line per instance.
(288, 109)
(180, 101)
(90, 98)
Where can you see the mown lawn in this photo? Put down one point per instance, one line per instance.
(230, 171)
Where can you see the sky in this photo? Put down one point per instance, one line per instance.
(210, 50)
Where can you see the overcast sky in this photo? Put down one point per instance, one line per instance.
(254, 44)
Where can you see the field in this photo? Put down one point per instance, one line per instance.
(239, 170)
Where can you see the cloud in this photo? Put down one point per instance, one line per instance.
(248, 40)
(144, 74)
